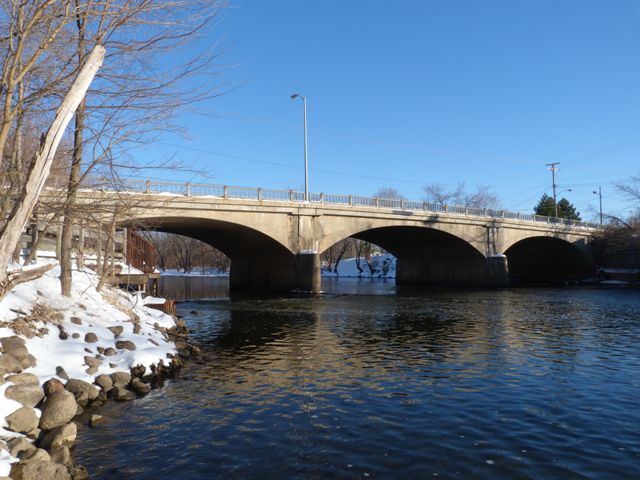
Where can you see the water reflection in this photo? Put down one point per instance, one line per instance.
(464, 384)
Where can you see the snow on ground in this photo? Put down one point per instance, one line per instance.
(91, 312)
(383, 266)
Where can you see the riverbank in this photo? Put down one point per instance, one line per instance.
(61, 355)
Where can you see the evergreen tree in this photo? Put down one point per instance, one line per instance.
(567, 210)
(547, 207)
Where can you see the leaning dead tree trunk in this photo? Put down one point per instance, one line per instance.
(41, 165)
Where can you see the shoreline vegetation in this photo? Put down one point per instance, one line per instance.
(62, 358)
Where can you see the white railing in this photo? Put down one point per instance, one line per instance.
(292, 196)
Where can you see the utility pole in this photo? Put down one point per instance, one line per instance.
(553, 169)
(599, 193)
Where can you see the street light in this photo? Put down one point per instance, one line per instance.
(599, 193)
(554, 199)
(306, 163)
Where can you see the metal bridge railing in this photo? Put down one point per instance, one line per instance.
(292, 196)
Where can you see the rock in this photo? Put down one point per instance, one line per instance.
(75, 335)
(34, 434)
(60, 455)
(28, 361)
(39, 470)
(76, 386)
(100, 350)
(140, 387)
(91, 370)
(21, 378)
(138, 371)
(52, 385)
(95, 419)
(27, 394)
(59, 408)
(76, 320)
(78, 472)
(61, 373)
(23, 420)
(9, 364)
(117, 330)
(91, 337)
(121, 378)
(125, 345)
(92, 362)
(11, 342)
(17, 351)
(121, 394)
(110, 352)
(63, 435)
(19, 444)
(82, 399)
(113, 365)
(34, 455)
(62, 335)
(136, 328)
(104, 381)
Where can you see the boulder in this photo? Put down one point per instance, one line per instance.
(75, 335)
(91, 337)
(91, 370)
(9, 364)
(104, 381)
(117, 330)
(21, 378)
(92, 362)
(19, 444)
(100, 350)
(9, 343)
(52, 385)
(76, 320)
(28, 361)
(61, 373)
(125, 345)
(34, 455)
(59, 408)
(60, 455)
(26, 394)
(64, 435)
(139, 387)
(121, 394)
(110, 352)
(121, 378)
(78, 472)
(23, 420)
(95, 419)
(39, 470)
(76, 387)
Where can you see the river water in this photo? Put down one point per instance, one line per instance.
(372, 382)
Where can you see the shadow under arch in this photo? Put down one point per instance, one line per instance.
(426, 256)
(259, 263)
(537, 260)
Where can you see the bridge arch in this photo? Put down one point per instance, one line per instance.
(259, 262)
(429, 256)
(547, 259)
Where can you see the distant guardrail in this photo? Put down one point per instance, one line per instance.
(293, 196)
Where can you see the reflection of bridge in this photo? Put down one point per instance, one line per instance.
(274, 238)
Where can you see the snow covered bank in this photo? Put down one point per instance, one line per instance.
(90, 337)
(207, 272)
(382, 266)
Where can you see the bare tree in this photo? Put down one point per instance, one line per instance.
(481, 197)
(389, 194)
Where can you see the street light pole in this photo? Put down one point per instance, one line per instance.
(306, 162)
(599, 193)
(552, 167)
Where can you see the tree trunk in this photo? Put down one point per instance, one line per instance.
(39, 170)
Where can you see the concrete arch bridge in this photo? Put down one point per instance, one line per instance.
(274, 238)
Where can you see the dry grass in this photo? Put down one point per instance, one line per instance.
(27, 325)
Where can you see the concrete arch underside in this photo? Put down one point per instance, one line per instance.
(544, 259)
(431, 257)
(259, 263)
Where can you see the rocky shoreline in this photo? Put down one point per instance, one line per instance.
(47, 421)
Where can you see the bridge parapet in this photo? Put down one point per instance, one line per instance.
(294, 197)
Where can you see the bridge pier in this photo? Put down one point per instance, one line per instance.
(283, 274)
(498, 271)
(490, 272)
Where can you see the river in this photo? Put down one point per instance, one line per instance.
(370, 381)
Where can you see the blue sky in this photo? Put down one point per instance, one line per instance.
(412, 92)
